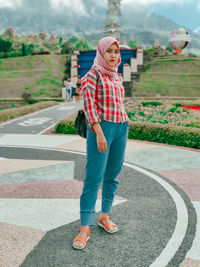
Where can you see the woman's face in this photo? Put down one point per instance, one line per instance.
(112, 55)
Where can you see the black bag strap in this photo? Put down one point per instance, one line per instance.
(80, 121)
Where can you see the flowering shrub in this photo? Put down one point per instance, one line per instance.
(7, 114)
(9, 104)
(175, 116)
(194, 107)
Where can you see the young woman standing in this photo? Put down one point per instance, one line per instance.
(107, 131)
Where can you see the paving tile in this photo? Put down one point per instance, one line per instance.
(190, 263)
(36, 140)
(80, 145)
(55, 172)
(69, 188)
(135, 146)
(16, 243)
(12, 165)
(164, 158)
(77, 145)
(188, 180)
(42, 214)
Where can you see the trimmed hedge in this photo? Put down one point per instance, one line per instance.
(152, 103)
(153, 132)
(162, 133)
(67, 127)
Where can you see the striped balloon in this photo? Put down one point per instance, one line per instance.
(179, 39)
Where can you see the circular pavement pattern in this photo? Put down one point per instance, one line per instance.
(156, 224)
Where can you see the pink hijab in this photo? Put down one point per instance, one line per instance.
(99, 62)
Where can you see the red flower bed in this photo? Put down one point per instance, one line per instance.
(194, 107)
(10, 104)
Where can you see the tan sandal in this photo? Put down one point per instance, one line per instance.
(83, 240)
(107, 225)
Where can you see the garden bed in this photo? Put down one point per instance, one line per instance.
(7, 104)
(169, 123)
(171, 113)
(11, 112)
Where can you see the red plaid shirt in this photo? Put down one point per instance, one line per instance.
(103, 99)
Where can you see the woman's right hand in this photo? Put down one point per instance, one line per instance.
(101, 140)
(101, 143)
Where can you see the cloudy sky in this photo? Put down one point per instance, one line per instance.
(184, 12)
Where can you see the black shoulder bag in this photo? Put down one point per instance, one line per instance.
(80, 122)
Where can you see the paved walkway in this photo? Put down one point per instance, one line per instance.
(157, 206)
(39, 121)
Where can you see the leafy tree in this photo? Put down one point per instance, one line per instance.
(5, 46)
(30, 49)
(27, 49)
(60, 41)
(26, 97)
(9, 32)
(82, 44)
(66, 48)
(43, 35)
(24, 50)
(133, 44)
(73, 40)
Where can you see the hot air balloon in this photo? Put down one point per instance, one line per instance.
(179, 39)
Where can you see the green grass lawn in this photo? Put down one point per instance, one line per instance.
(40, 75)
(168, 77)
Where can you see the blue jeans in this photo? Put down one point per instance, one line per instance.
(102, 167)
(68, 94)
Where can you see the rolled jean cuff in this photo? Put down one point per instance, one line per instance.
(106, 205)
(87, 217)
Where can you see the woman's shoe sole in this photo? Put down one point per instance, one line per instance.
(82, 247)
(110, 232)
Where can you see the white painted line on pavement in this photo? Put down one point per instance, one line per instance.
(181, 224)
(52, 125)
(34, 121)
(194, 252)
(28, 115)
(46, 129)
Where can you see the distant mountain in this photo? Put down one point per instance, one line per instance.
(35, 16)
